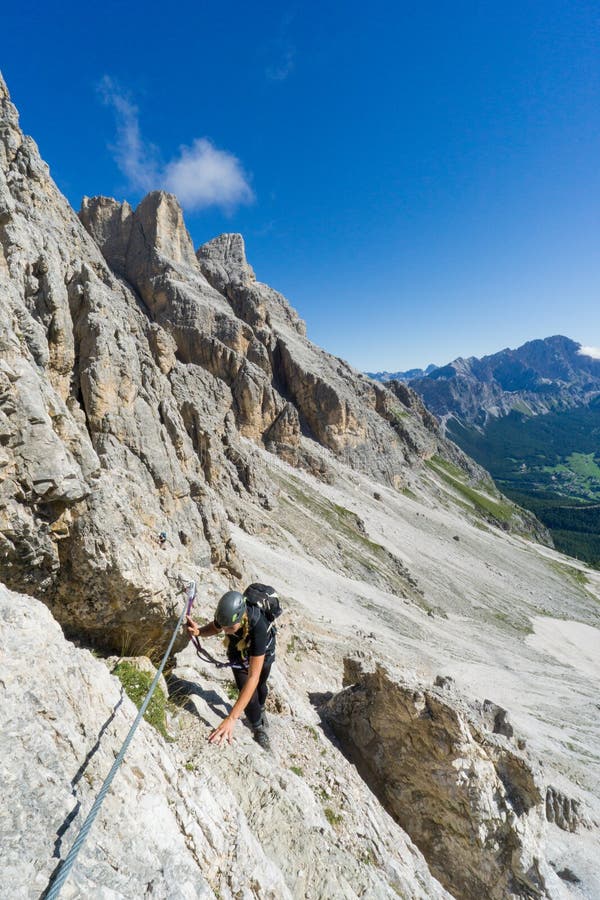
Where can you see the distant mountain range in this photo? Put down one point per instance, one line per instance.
(531, 416)
(541, 376)
(401, 376)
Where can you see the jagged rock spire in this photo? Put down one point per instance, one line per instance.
(223, 260)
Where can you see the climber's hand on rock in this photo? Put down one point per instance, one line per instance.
(224, 732)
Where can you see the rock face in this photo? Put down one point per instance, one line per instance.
(132, 373)
(227, 825)
(161, 831)
(100, 445)
(452, 777)
(563, 811)
(247, 336)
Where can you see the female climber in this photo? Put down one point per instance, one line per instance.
(251, 648)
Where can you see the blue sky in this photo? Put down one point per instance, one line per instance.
(421, 180)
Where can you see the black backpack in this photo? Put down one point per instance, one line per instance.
(264, 598)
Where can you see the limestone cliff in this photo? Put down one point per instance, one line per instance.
(100, 445)
(247, 336)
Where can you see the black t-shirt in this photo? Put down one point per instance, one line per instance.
(260, 640)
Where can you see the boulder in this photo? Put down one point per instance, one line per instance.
(472, 802)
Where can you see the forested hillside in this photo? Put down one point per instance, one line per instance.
(551, 465)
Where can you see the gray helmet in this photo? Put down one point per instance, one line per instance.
(230, 609)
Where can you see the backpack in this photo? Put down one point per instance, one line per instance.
(264, 598)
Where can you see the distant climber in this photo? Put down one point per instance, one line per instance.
(251, 649)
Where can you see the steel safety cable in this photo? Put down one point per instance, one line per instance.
(62, 872)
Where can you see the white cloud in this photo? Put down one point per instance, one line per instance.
(200, 175)
(203, 176)
(594, 352)
(135, 160)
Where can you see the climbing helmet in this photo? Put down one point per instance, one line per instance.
(230, 609)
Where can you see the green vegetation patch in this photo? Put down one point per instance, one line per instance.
(332, 817)
(574, 526)
(410, 493)
(585, 547)
(521, 407)
(443, 465)
(313, 732)
(521, 626)
(232, 691)
(398, 414)
(136, 685)
(535, 452)
(454, 477)
(585, 465)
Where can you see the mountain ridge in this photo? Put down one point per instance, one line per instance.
(539, 376)
(402, 376)
(530, 417)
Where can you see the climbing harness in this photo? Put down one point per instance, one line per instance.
(62, 872)
(204, 654)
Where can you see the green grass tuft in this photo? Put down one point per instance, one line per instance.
(519, 625)
(231, 690)
(332, 817)
(454, 478)
(136, 685)
(571, 572)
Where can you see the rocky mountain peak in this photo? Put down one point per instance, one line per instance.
(225, 257)
(109, 223)
(538, 377)
(556, 358)
(159, 218)
(154, 231)
(10, 136)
